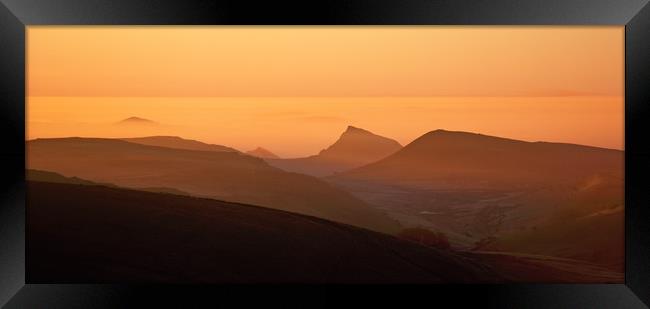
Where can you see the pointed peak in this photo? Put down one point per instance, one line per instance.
(353, 134)
(262, 153)
(356, 142)
(353, 129)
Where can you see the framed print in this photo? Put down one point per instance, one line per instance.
(430, 147)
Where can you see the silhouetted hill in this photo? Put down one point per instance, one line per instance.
(354, 148)
(551, 199)
(262, 153)
(228, 176)
(177, 142)
(88, 234)
(461, 159)
(358, 145)
(137, 121)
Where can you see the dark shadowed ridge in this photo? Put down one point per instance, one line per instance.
(45, 176)
(178, 143)
(97, 234)
(355, 147)
(115, 235)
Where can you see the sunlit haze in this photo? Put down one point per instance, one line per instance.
(294, 90)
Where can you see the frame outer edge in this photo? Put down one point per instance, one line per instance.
(12, 202)
(637, 154)
(12, 86)
(12, 157)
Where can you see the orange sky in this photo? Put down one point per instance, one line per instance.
(255, 86)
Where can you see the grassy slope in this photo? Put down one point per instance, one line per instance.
(82, 233)
(91, 233)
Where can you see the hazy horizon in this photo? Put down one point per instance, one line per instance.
(270, 123)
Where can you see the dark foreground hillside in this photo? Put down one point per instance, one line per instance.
(87, 233)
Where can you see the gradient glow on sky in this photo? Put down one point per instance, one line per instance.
(293, 90)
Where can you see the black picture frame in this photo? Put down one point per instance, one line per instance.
(15, 15)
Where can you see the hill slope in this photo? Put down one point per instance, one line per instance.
(499, 194)
(223, 175)
(81, 233)
(178, 143)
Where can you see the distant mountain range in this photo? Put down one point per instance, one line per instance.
(484, 192)
(354, 148)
